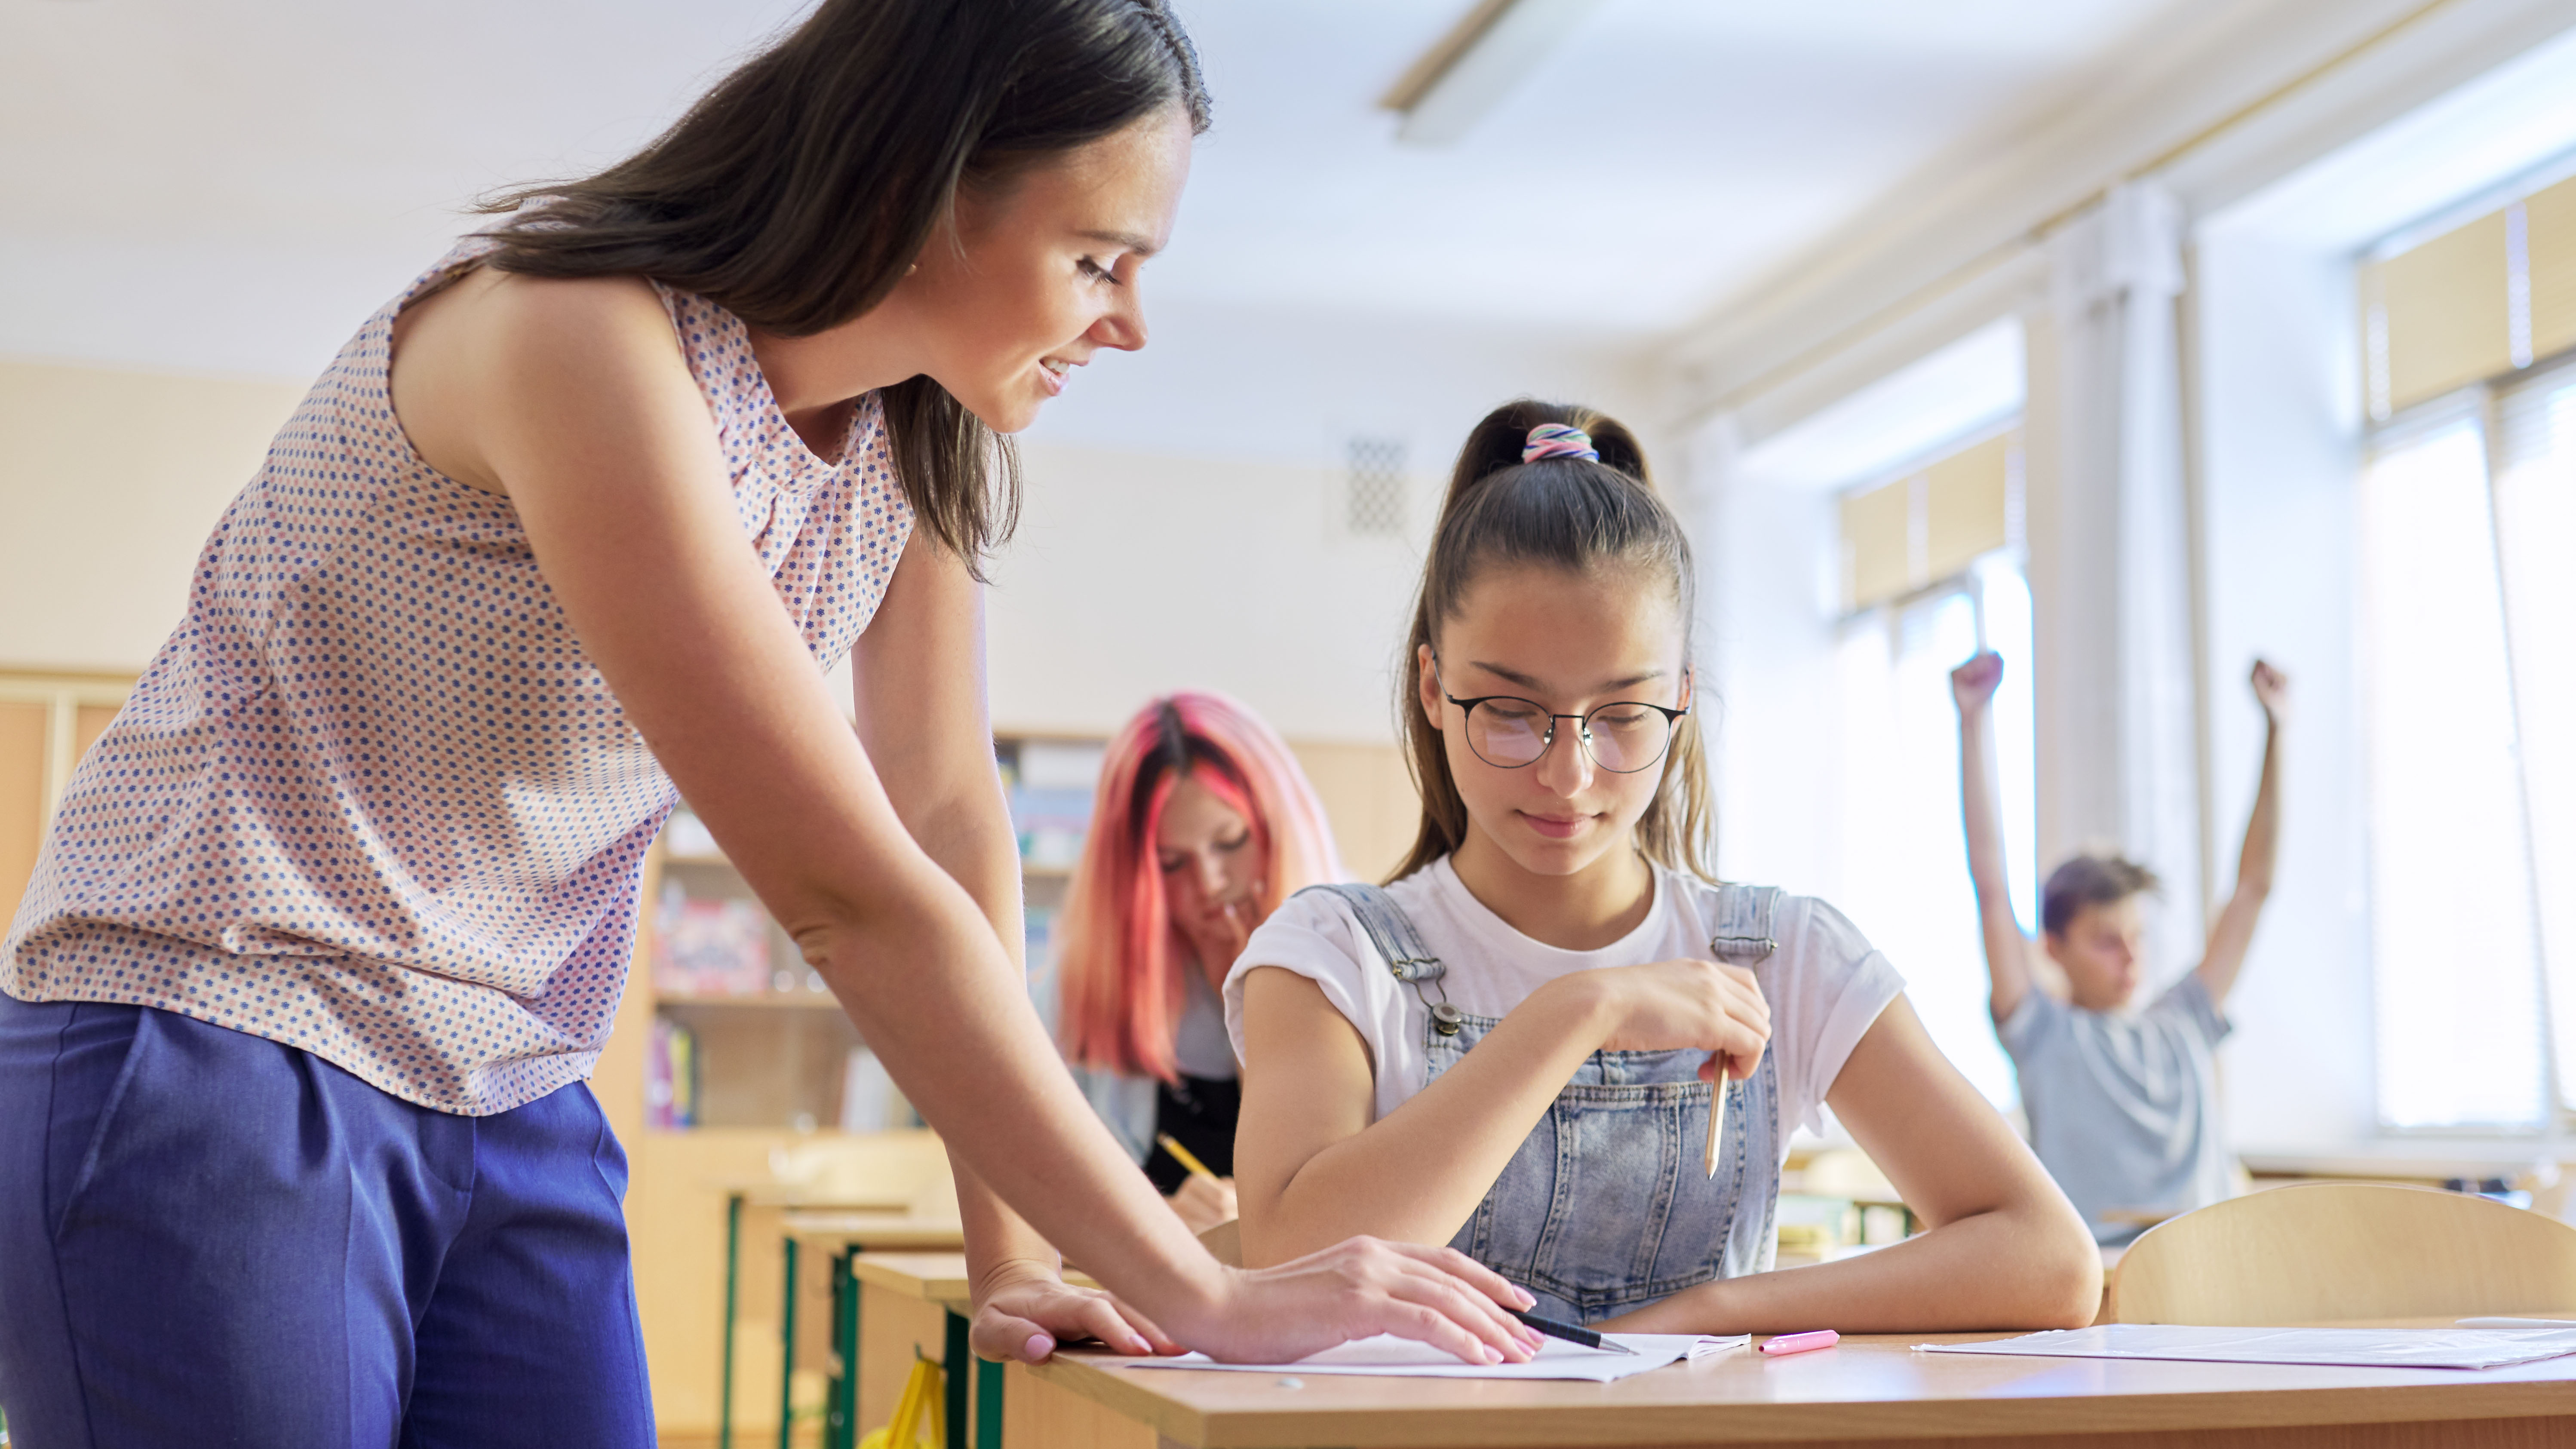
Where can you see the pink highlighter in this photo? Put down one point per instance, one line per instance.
(1801, 1342)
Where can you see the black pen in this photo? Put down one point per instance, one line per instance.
(1570, 1332)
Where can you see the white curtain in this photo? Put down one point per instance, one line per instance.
(2130, 765)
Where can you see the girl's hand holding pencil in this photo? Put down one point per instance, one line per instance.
(1682, 1005)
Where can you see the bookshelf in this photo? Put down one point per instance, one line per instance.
(745, 1035)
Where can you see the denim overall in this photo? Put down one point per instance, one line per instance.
(1607, 1206)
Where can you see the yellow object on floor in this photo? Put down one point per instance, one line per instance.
(921, 1407)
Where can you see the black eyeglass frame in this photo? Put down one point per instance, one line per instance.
(1467, 709)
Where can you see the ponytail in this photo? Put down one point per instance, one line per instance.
(1517, 499)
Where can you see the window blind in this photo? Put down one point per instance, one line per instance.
(2550, 232)
(2476, 302)
(1929, 524)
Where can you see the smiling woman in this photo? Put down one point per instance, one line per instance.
(335, 916)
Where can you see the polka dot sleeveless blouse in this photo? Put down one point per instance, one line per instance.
(371, 799)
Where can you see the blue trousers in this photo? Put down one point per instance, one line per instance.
(207, 1238)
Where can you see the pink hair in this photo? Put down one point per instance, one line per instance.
(1121, 957)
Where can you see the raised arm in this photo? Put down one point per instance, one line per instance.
(1972, 687)
(572, 399)
(2232, 935)
(1311, 1168)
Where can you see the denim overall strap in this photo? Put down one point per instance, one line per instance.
(1400, 946)
(1607, 1206)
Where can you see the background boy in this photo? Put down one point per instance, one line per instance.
(2123, 1105)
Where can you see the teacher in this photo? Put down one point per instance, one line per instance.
(332, 921)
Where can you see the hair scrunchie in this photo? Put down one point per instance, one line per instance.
(1557, 440)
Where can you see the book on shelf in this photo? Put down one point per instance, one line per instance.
(870, 1102)
(1050, 785)
(710, 947)
(671, 1076)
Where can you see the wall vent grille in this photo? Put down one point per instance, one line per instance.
(1373, 488)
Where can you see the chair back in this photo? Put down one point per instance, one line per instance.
(2329, 1251)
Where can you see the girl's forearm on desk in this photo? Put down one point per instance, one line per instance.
(1976, 1273)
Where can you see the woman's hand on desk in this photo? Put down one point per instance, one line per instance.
(1357, 1289)
(1361, 1288)
(1023, 1309)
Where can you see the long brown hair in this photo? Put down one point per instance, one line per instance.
(1569, 513)
(800, 189)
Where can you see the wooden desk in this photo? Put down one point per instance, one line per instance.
(844, 1236)
(876, 1207)
(890, 1306)
(1873, 1391)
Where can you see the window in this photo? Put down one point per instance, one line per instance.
(2468, 513)
(2535, 500)
(2457, 989)
(1931, 560)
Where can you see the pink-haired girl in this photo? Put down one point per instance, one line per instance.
(1203, 823)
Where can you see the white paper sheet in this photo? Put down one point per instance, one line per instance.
(2443, 1348)
(1387, 1356)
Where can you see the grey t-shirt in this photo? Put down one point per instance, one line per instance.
(1200, 1048)
(2124, 1109)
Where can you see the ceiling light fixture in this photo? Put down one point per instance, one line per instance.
(1467, 72)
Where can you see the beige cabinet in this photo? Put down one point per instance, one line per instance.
(47, 722)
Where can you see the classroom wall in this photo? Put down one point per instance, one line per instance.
(110, 480)
(1136, 574)
(1185, 508)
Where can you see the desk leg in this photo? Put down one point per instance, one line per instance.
(841, 1411)
(787, 1353)
(988, 1403)
(733, 1268)
(961, 1362)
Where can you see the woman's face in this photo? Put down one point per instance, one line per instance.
(1571, 642)
(1040, 272)
(1209, 859)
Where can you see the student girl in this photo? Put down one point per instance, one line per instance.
(1511, 1048)
(333, 919)
(1203, 823)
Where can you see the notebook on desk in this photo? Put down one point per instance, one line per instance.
(1387, 1356)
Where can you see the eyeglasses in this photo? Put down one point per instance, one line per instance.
(1509, 732)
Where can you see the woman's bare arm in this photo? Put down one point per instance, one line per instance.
(924, 719)
(572, 398)
(2004, 1249)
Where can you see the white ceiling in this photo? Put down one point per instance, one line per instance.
(231, 187)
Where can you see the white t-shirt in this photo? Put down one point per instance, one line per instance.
(1825, 984)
